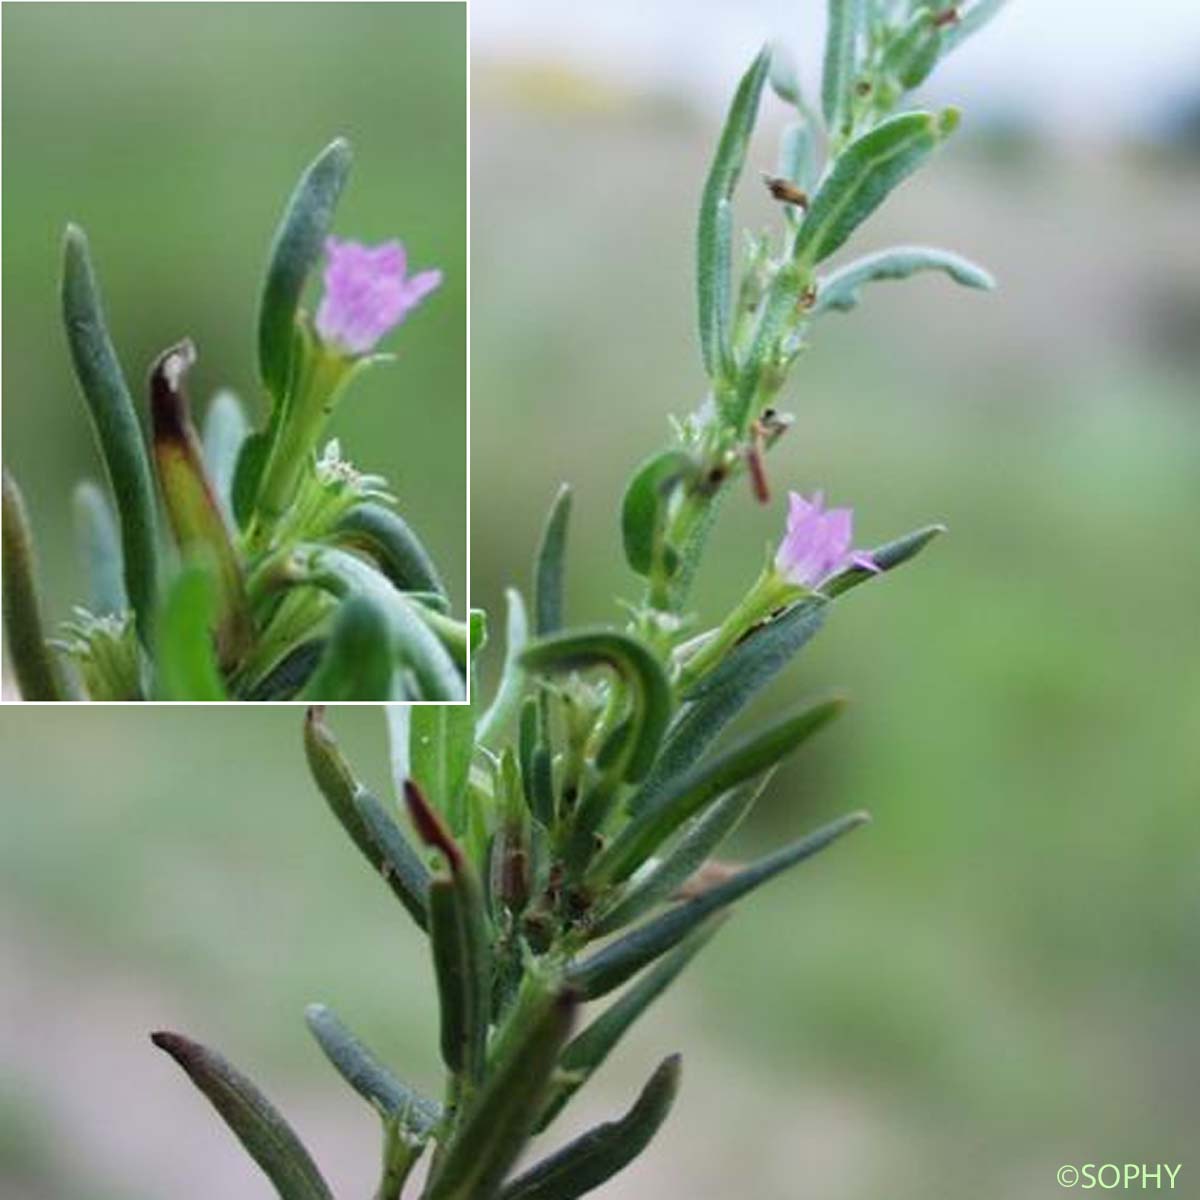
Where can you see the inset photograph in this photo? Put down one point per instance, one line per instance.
(234, 353)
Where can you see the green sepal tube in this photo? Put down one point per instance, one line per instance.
(255, 1121)
(196, 517)
(38, 674)
(120, 436)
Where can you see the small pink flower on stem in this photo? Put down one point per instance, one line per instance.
(817, 542)
(367, 293)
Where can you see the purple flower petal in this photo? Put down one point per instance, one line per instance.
(817, 542)
(367, 293)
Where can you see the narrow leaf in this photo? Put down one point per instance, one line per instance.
(361, 818)
(693, 790)
(33, 662)
(841, 290)
(358, 662)
(863, 176)
(885, 557)
(399, 863)
(549, 575)
(586, 1052)
(388, 539)
(596, 1156)
(294, 252)
(99, 550)
(842, 40)
(643, 510)
(620, 960)
(107, 395)
(367, 1075)
(441, 743)
(512, 679)
(497, 1124)
(413, 642)
(698, 842)
(461, 941)
(650, 692)
(186, 660)
(267, 1137)
(712, 266)
(720, 695)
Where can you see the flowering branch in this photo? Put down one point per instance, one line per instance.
(561, 844)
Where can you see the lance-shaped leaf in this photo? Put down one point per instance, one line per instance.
(841, 290)
(186, 659)
(358, 662)
(863, 176)
(414, 643)
(549, 571)
(294, 252)
(693, 790)
(713, 285)
(225, 431)
(633, 660)
(116, 424)
(592, 1159)
(99, 546)
(644, 508)
(719, 696)
(196, 518)
(267, 1137)
(586, 1052)
(441, 743)
(388, 539)
(620, 960)
(914, 52)
(497, 1124)
(376, 835)
(367, 1075)
(458, 930)
(843, 36)
(32, 660)
(693, 848)
(885, 557)
(976, 16)
(512, 678)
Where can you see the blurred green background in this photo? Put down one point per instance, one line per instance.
(174, 133)
(997, 977)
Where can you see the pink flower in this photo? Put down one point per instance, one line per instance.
(817, 542)
(367, 293)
